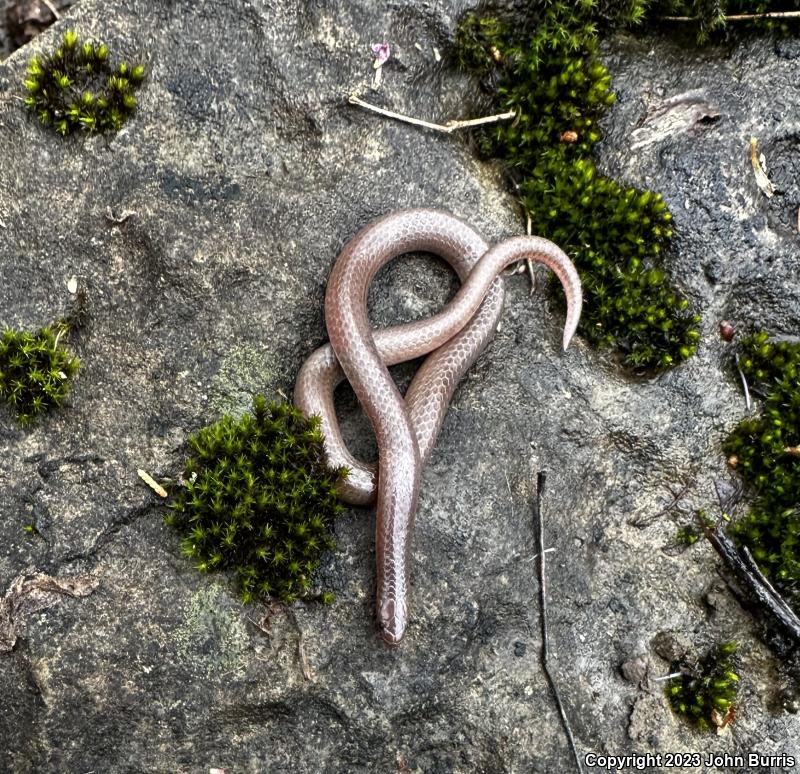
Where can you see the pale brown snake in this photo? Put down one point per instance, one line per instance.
(406, 429)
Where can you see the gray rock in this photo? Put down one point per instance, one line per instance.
(635, 670)
(674, 646)
(248, 171)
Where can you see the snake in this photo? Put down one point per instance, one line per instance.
(406, 428)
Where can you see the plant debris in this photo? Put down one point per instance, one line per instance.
(678, 114)
(152, 483)
(29, 593)
(541, 478)
(25, 19)
(759, 168)
(447, 128)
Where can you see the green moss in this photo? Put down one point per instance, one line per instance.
(35, 371)
(259, 500)
(766, 451)
(76, 87)
(545, 68)
(705, 694)
(687, 536)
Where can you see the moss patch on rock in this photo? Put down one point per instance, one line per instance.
(35, 371)
(545, 67)
(705, 693)
(766, 451)
(77, 88)
(259, 500)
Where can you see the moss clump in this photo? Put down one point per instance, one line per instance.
(78, 88)
(35, 371)
(687, 536)
(766, 451)
(705, 694)
(546, 69)
(259, 500)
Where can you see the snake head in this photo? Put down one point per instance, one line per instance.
(393, 618)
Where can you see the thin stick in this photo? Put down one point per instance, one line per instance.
(745, 570)
(781, 603)
(647, 521)
(747, 402)
(52, 9)
(540, 482)
(667, 677)
(447, 128)
(740, 16)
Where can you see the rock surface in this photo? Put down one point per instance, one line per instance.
(247, 171)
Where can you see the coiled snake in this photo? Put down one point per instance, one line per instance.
(406, 428)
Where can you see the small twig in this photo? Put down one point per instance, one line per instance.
(740, 16)
(667, 677)
(52, 9)
(447, 128)
(747, 402)
(647, 521)
(747, 573)
(540, 482)
(510, 496)
(764, 581)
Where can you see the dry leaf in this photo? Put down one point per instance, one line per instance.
(764, 183)
(29, 593)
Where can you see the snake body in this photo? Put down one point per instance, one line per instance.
(406, 429)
